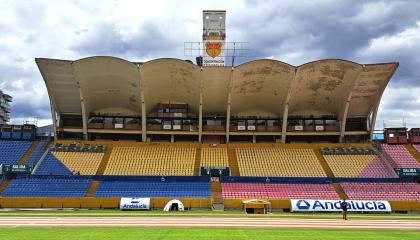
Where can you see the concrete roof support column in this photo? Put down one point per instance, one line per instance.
(200, 118)
(343, 121)
(54, 120)
(228, 106)
(84, 117)
(284, 123)
(286, 110)
(343, 117)
(143, 107)
(200, 108)
(143, 118)
(82, 105)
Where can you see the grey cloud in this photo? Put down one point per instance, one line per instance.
(105, 39)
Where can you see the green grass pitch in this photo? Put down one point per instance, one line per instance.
(196, 233)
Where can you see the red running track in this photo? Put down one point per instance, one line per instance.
(198, 222)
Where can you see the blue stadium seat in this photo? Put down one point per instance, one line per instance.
(12, 151)
(153, 189)
(65, 187)
(6, 135)
(27, 136)
(17, 135)
(37, 153)
(52, 166)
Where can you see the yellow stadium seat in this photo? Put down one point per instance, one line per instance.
(278, 162)
(151, 161)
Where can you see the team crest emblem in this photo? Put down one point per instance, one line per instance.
(213, 49)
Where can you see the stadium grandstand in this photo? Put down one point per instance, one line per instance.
(210, 136)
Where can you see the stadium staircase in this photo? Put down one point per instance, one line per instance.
(28, 153)
(339, 189)
(92, 188)
(323, 163)
(413, 151)
(197, 161)
(216, 197)
(329, 173)
(4, 185)
(233, 162)
(104, 162)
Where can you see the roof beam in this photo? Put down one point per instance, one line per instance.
(343, 116)
(52, 99)
(375, 108)
(143, 106)
(200, 108)
(229, 99)
(286, 110)
(82, 103)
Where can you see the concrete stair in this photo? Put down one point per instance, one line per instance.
(28, 153)
(92, 188)
(413, 151)
(323, 163)
(104, 162)
(197, 161)
(329, 173)
(217, 197)
(4, 185)
(340, 191)
(233, 162)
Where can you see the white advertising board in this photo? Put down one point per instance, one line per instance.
(308, 205)
(135, 204)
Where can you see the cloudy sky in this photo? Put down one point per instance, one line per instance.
(291, 31)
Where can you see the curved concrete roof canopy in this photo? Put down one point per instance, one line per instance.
(260, 88)
(170, 80)
(109, 85)
(322, 87)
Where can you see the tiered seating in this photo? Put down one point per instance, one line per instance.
(85, 163)
(12, 151)
(400, 156)
(153, 188)
(151, 161)
(367, 166)
(37, 153)
(47, 187)
(382, 191)
(377, 169)
(214, 157)
(279, 191)
(417, 147)
(278, 162)
(52, 166)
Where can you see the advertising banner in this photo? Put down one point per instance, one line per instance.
(307, 205)
(407, 172)
(16, 168)
(135, 204)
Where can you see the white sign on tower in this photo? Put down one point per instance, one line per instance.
(214, 35)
